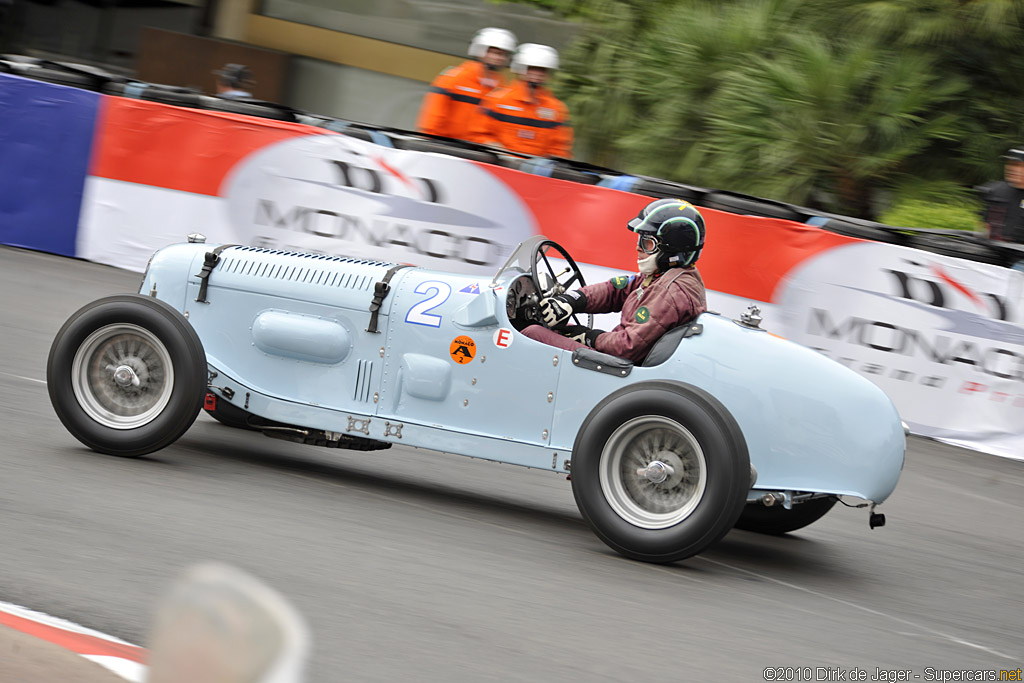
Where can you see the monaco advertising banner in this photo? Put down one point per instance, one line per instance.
(942, 336)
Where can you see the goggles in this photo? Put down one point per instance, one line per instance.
(647, 243)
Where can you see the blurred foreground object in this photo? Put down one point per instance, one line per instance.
(221, 625)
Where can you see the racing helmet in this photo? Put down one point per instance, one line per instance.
(674, 230)
(532, 54)
(491, 37)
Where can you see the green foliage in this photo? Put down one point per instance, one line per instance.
(919, 203)
(923, 213)
(826, 103)
(825, 123)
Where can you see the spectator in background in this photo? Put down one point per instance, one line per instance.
(525, 117)
(452, 103)
(1004, 200)
(232, 82)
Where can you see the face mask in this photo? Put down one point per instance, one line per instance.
(649, 264)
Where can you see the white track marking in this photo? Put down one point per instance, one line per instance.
(27, 379)
(126, 669)
(862, 608)
(57, 622)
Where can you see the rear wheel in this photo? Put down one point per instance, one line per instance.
(778, 520)
(660, 471)
(126, 375)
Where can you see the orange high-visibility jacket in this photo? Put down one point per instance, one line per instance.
(519, 121)
(452, 103)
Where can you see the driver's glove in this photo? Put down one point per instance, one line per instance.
(581, 334)
(555, 310)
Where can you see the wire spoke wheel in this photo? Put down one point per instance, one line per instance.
(653, 472)
(122, 376)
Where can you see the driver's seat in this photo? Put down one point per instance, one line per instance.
(666, 346)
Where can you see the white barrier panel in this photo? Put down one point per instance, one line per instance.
(942, 336)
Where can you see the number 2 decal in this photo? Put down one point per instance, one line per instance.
(419, 314)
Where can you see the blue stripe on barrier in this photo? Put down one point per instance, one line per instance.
(380, 138)
(46, 133)
(135, 89)
(377, 137)
(619, 182)
(538, 166)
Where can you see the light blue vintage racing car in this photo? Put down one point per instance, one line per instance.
(722, 425)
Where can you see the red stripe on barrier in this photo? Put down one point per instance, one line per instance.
(745, 256)
(79, 643)
(191, 150)
(589, 221)
(750, 256)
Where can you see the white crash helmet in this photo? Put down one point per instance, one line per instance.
(491, 37)
(532, 54)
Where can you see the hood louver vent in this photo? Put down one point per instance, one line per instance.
(315, 269)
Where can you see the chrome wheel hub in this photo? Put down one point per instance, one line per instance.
(656, 472)
(125, 377)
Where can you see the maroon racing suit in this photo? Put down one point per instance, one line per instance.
(651, 306)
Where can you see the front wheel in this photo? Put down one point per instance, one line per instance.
(660, 471)
(126, 375)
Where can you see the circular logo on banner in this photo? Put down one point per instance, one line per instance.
(936, 333)
(503, 338)
(462, 349)
(337, 195)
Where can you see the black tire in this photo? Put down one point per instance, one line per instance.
(454, 148)
(692, 433)
(856, 227)
(152, 396)
(654, 187)
(747, 205)
(777, 520)
(250, 107)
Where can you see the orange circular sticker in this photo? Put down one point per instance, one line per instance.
(462, 350)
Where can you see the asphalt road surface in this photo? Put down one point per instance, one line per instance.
(414, 565)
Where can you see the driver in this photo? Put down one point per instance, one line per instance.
(667, 292)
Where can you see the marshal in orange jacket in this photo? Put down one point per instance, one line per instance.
(534, 123)
(452, 104)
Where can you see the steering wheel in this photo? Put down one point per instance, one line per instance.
(556, 286)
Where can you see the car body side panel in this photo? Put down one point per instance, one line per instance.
(292, 326)
(360, 424)
(443, 367)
